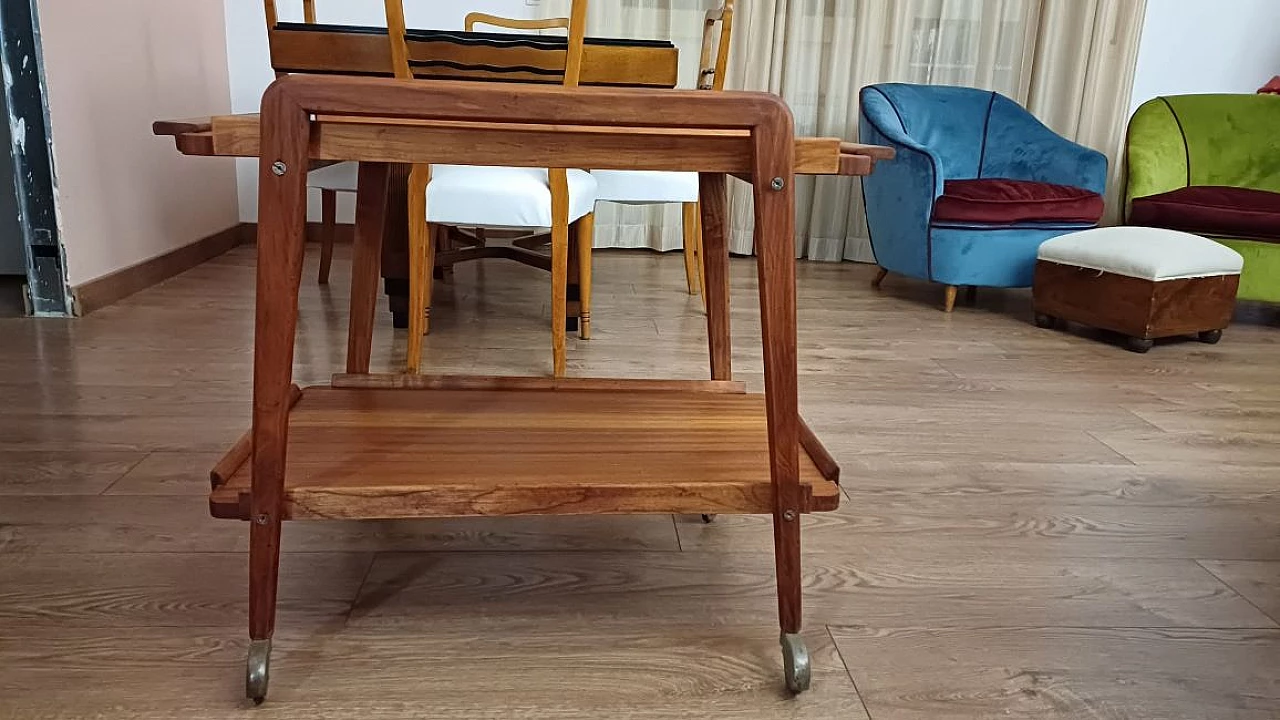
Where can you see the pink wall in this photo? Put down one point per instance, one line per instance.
(112, 67)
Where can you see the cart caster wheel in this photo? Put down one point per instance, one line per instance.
(1138, 345)
(795, 662)
(1047, 322)
(1210, 337)
(708, 518)
(257, 671)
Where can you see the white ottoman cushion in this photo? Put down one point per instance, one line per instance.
(1141, 252)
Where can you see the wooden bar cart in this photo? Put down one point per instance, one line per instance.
(416, 446)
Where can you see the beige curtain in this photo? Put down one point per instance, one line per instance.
(1069, 61)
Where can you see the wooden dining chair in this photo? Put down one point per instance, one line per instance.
(330, 180)
(465, 196)
(641, 187)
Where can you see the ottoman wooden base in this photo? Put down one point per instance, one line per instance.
(1142, 309)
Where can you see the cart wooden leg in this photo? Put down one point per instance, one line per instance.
(366, 255)
(282, 202)
(715, 262)
(689, 225)
(774, 181)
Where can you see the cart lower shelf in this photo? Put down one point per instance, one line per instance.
(386, 453)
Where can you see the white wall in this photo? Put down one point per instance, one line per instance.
(249, 58)
(1199, 46)
(124, 195)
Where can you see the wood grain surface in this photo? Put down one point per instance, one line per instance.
(378, 453)
(1034, 525)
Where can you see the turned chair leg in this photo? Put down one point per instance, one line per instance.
(558, 179)
(689, 224)
(952, 292)
(586, 236)
(879, 278)
(421, 256)
(328, 229)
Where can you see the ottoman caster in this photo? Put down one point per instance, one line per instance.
(1138, 345)
(1047, 322)
(1210, 337)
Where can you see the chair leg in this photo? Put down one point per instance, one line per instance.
(699, 260)
(558, 179)
(420, 242)
(880, 276)
(328, 229)
(950, 304)
(689, 224)
(586, 236)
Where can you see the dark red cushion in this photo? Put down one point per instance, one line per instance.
(1211, 209)
(997, 201)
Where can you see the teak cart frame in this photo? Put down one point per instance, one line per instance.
(746, 455)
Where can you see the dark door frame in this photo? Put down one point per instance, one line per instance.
(20, 53)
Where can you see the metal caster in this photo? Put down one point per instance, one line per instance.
(795, 663)
(708, 518)
(1138, 345)
(1047, 322)
(1210, 337)
(257, 671)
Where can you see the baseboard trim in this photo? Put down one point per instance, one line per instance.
(110, 289)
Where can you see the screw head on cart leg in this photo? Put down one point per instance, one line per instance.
(778, 183)
(789, 515)
(261, 519)
(279, 168)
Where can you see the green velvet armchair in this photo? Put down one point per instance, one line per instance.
(1210, 164)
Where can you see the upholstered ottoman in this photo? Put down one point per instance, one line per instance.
(1143, 282)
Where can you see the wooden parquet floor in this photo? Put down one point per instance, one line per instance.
(1036, 525)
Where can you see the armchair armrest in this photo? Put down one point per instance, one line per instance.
(1020, 147)
(900, 194)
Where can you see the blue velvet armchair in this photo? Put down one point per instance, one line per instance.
(949, 141)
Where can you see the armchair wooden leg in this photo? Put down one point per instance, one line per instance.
(559, 182)
(328, 229)
(689, 223)
(950, 304)
(420, 255)
(586, 236)
(880, 276)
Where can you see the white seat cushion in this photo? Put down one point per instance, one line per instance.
(502, 196)
(1142, 252)
(341, 177)
(646, 186)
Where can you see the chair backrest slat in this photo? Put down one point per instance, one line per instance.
(491, 56)
(714, 63)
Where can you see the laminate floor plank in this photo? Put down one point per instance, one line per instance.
(856, 587)
(181, 524)
(913, 672)
(170, 590)
(533, 670)
(1258, 582)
